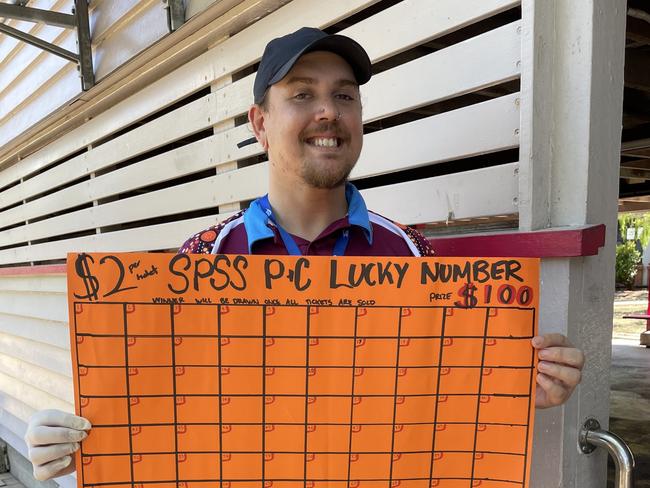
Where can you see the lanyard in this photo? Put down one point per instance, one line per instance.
(292, 248)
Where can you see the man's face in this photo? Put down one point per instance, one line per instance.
(311, 126)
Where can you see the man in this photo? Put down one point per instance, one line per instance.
(307, 117)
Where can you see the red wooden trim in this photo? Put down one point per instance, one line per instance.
(583, 241)
(33, 270)
(550, 243)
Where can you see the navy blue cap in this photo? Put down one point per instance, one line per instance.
(282, 53)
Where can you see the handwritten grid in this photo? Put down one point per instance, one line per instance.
(216, 416)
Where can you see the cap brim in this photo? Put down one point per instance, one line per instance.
(347, 48)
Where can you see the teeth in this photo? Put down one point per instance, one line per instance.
(325, 142)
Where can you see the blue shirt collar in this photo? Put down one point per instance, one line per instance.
(256, 222)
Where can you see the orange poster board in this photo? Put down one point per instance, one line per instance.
(291, 372)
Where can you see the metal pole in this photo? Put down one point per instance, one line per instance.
(84, 43)
(35, 41)
(592, 436)
(36, 15)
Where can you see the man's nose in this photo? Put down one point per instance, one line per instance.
(327, 110)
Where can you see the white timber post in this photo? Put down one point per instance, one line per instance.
(571, 113)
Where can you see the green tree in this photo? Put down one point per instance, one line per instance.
(627, 262)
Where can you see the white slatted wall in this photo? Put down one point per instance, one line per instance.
(442, 122)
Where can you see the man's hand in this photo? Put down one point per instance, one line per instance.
(52, 437)
(559, 369)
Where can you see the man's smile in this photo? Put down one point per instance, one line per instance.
(324, 142)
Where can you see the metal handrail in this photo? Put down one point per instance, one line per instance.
(592, 436)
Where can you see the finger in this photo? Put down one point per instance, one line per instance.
(43, 435)
(52, 469)
(41, 455)
(58, 418)
(556, 393)
(550, 340)
(565, 355)
(566, 374)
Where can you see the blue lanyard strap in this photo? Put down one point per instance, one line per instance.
(340, 245)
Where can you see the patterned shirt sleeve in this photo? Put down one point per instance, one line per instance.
(421, 243)
(203, 242)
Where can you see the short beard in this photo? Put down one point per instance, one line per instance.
(325, 180)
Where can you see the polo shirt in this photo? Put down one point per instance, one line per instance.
(253, 232)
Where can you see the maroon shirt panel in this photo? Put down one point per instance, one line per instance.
(385, 243)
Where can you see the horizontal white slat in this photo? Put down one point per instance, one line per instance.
(145, 24)
(233, 54)
(65, 84)
(12, 431)
(479, 201)
(49, 332)
(477, 129)
(156, 237)
(25, 55)
(34, 283)
(187, 159)
(482, 61)
(37, 377)
(443, 74)
(36, 353)
(32, 396)
(456, 196)
(9, 45)
(17, 409)
(51, 306)
(417, 21)
(24, 88)
(112, 15)
(434, 139)
(163, 130)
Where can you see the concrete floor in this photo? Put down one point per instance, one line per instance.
(630, 403)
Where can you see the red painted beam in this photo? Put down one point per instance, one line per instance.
(581, 241)
(34, 270)
(552, 243)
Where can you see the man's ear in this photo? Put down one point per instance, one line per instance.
(256, 116)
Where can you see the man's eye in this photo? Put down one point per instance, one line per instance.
(301, 96)
(344, 96)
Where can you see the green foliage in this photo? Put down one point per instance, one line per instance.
(627, 260)
(641, 224)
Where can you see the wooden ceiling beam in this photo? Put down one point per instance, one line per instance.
(636, 164)
(628, 206)
(637, 30)
(637, 174)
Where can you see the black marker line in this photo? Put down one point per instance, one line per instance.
(263, 394)
(128, 391)
(354, 359)
(76, 343)
(176, 453)
(530, 398)
(392, 442)
(435, 411)
(220, 397)
(478, 400)
(307, 339)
